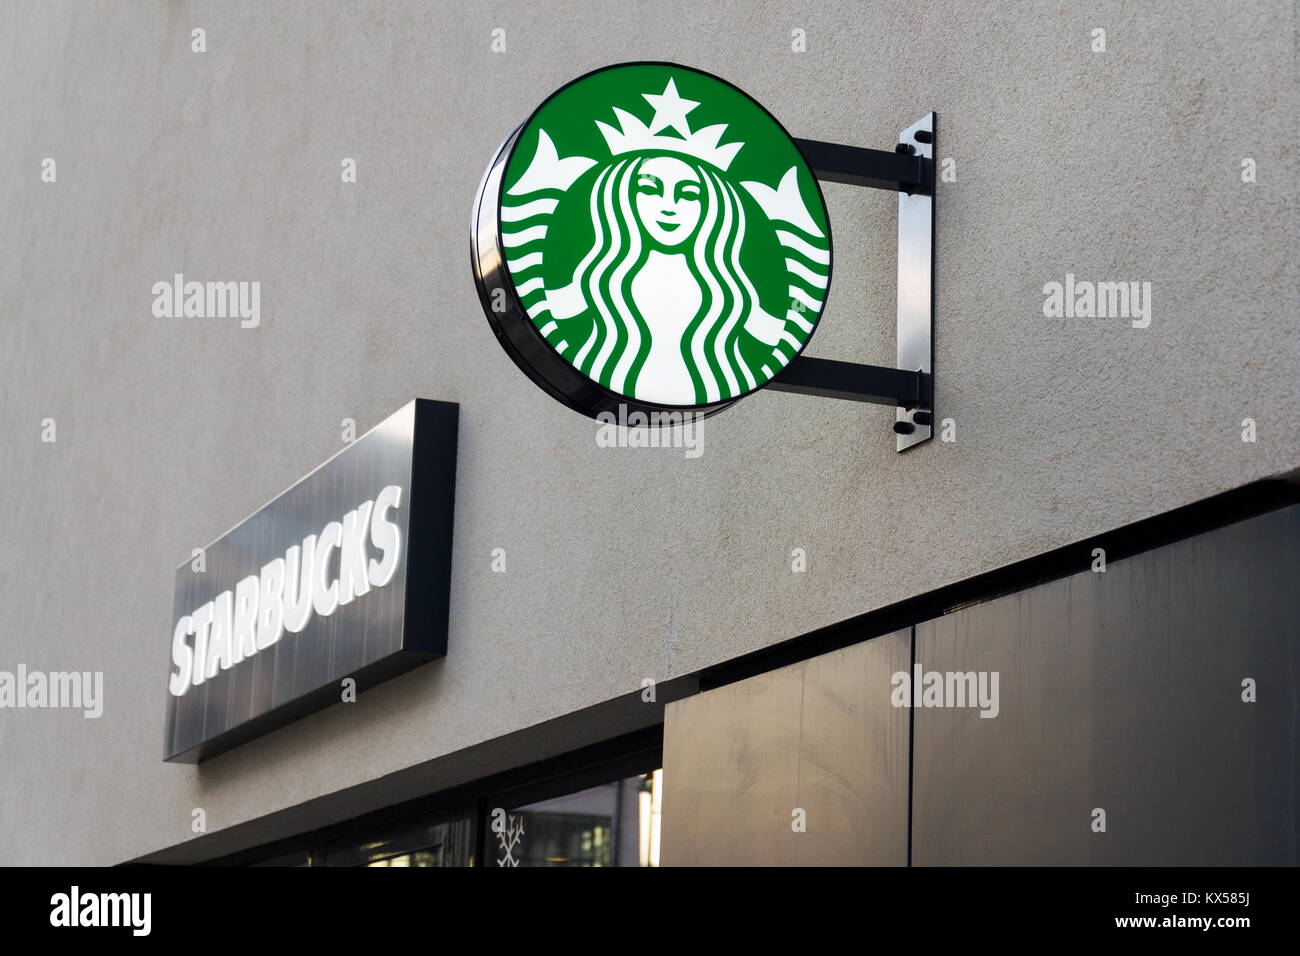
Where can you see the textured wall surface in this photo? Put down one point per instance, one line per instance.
(622, 563)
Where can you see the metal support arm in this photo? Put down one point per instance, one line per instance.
(909, 171)
(876, 384)
(874, 168)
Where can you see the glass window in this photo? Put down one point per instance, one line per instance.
(298, 857)
(425, 843)
(569, 812)
(612, 824)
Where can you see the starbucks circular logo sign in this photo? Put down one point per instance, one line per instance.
(651, 237)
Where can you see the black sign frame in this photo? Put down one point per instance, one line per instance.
(376, 636)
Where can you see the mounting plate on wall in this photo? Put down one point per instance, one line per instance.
(916, 286)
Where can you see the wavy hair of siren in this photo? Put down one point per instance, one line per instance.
(605, 273)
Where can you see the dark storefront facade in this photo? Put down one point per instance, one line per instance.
(1161, 691)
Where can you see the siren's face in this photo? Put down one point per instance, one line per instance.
(668, 200)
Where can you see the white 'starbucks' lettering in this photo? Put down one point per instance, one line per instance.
(234, 626)
(665, 235)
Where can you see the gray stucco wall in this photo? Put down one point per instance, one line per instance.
(622, 564)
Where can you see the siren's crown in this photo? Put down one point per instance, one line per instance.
(670, 110)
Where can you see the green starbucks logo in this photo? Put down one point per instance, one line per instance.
(662, 234)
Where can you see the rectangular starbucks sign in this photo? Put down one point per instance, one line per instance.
(343, 578)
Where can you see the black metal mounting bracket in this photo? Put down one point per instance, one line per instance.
(910, 171)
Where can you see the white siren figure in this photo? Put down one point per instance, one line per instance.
(662, 285)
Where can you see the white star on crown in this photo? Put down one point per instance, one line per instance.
(670, 111)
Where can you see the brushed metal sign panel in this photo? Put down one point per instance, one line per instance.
(386, 630)
(1123, 692)
(805, 765)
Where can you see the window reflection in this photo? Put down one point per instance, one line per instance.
(430, 857)
(417, 844)
(614, 824)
